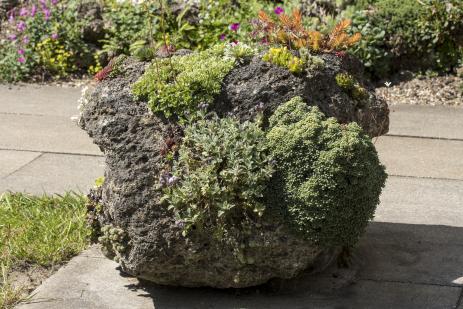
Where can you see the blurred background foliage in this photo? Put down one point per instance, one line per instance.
(58, 39)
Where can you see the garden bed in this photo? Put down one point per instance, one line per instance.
(56, 39)
(424, 90)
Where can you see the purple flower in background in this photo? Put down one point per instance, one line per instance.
(180, 224)
(23, 12)
(54, 2)
(21, 26)
(21, 59)
(172, 180)
(234, 27)
(43, 3)
(278, 10)
(47, 13)
(26, 39)
(11, 17)
(21, 52)
(12, 37)
(33, 10)
(54, 36)
(222, 37)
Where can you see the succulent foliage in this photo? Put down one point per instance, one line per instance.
(289, 31)
(284, 58)
(113, 241)
(352, 87)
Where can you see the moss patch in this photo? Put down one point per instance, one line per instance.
(177, 86)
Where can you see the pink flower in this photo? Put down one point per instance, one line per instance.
(21, 59)
(54, 2)
(23, 12)
(11, 16)
(46, 13)
(54, 36)
(21, 52)
(278, 10)
(12, 37)
(340, 54)
(43, 3)
(21, 26)
(26, 39)
(222, 37)
(234, 27)
(33, 10)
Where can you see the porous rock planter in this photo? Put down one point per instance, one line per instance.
(149, 240)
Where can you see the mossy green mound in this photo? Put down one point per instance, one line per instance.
(328, 176)
(178, 85)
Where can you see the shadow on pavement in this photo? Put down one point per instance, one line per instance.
(394, 266)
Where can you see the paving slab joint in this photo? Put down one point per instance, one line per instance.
(57, 152)
(460, 300)
(424, 177)
(414, 283)
(24, 165)
(425, 137)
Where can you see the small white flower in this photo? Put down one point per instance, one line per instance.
(388, 84)
(137, 2)
(83, 98)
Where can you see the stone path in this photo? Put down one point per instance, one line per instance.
(411, 256)
(41, 149)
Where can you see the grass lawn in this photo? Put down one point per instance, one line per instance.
(37, 234)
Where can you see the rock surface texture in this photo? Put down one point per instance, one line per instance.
(259, 82)
(150, 242)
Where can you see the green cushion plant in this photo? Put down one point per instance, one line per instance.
(320, 177)
(328, 177)
(178, 85)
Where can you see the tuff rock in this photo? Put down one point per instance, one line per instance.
(151, 244)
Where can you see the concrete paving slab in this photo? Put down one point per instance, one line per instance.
(426, 121)
(421, 157)
(96, 284)
(361, 295)
(44, 133)
(421, 201)
(32, 99)
(425, 254)
(55, 173)
(11, 161)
